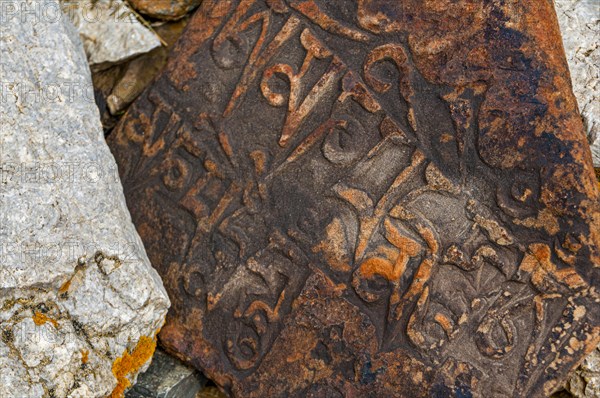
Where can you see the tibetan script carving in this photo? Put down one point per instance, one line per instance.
(369, 199)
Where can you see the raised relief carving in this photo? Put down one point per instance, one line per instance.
(326, 223)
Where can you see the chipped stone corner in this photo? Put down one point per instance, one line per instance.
(110, 31)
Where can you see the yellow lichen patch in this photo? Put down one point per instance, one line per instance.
(131, 363)
(40, 319)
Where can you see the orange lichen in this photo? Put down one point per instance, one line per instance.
(40, 319)
(131, 363)
(65, 287)
(539, 264)
(85, 356)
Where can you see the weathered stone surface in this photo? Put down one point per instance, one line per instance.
(580, 26)
(110, 31)
(596, 152)
(380, 199)
(165, 9)
(167, 377)
(211, 392)
(142, 70)
(79, 302)
(104, 82)
(584, 382)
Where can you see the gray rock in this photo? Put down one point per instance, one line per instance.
(596, 152)
(79, 302)
(579, 22)
(580, 26)
(167, 377)
(585, 381)
(110, 31)
(140, 72)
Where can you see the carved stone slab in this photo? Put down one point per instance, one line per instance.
(371, 199)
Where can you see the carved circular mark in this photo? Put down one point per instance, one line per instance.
(520, 191)
(495, 337)
(242, 345)
(370, 288)
(341, 145)
(175, 175)
(193, 284)
(230, 53)
(272, 85)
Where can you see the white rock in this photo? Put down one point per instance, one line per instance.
(579, 22)
(66, 313)
(110, 32)
(585, 381)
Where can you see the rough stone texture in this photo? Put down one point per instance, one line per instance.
(79, 302)
(580, 26)
(585, 383)
(110, 32)
(579, 22)
(211, 392)
(142, 70)
(167, 377)
(371, 199)
(104, 82)
(165, 9)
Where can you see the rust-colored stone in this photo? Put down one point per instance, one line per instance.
(165, 9)
(371, 199)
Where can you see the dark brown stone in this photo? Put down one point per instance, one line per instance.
(381, 199)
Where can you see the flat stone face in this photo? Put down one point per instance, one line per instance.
(374, 200)
(79, 302)
(110, 31)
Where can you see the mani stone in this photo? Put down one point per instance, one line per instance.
(80, 305)
(369, 199)
(580, 26)
(165, 9)
(110, 31)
